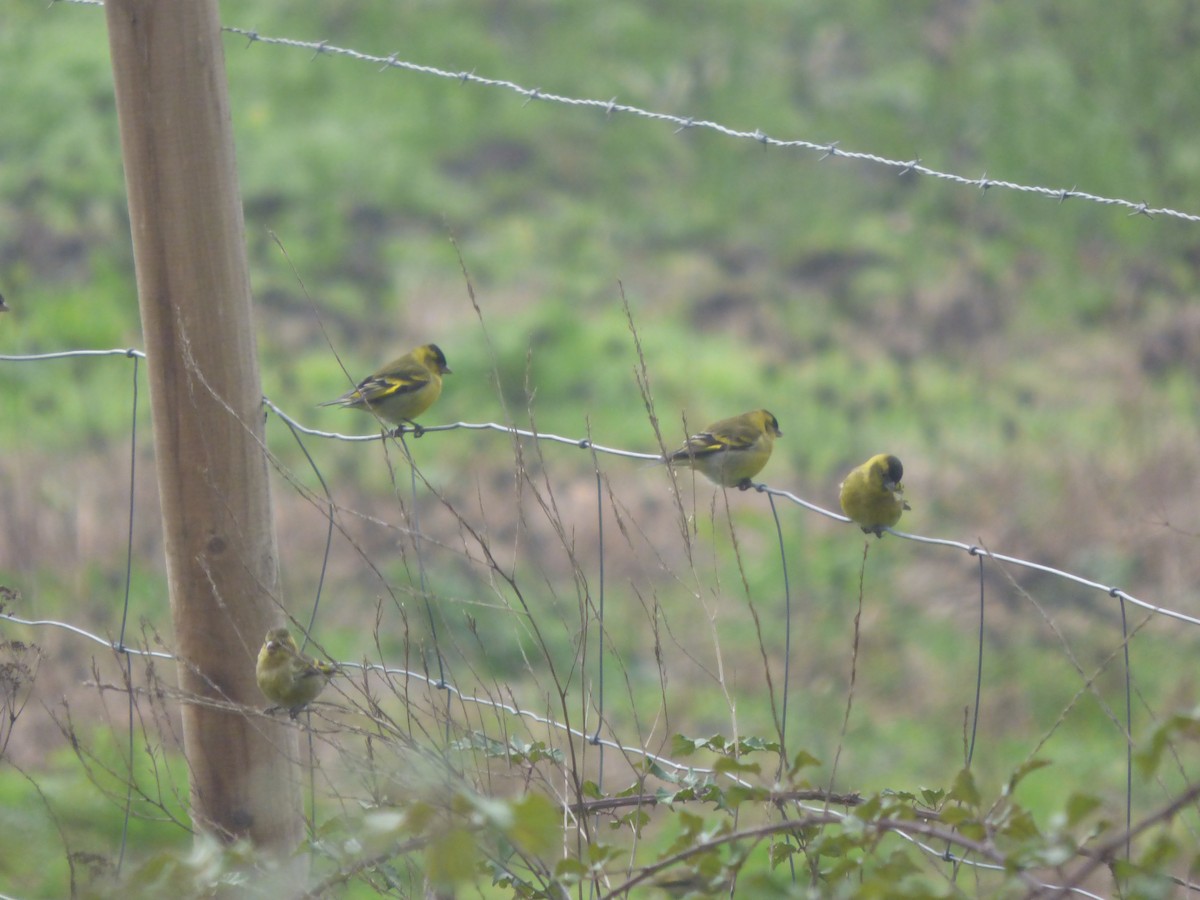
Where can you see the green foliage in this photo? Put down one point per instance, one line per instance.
(516, 752)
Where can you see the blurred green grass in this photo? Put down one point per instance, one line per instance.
(1033, 363)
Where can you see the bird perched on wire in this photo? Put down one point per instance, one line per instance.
(732, 451)
(401, 390)
(287, 677)
(872, 494)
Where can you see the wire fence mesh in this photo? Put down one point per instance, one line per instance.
(553, 719)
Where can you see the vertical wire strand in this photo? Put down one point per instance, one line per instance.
(862, 577)
(787, 636)
(975, 710)
(312, 775)
(595, 739)
(978, 672)
(419, 542)
(1128, 736)
(312, 618)
(125, 611)
(787, 660)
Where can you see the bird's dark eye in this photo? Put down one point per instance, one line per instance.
(895, 470)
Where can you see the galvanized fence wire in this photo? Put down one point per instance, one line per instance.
(515, 708)
(970, 548)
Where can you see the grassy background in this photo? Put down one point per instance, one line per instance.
(1033, 363)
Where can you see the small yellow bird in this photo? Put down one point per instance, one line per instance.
(732, 451)
(872, 494)
(401, 390)
(287, 677)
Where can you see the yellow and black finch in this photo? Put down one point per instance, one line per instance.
(401, 390)
(872, 494)
(732, 451)
(285, 676)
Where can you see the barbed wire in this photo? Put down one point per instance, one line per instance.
(827, 149)
(610, 107)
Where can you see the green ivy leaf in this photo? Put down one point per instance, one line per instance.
(964, 789)
(933, 797)
(757, 744)
(637, 820)
(781, 852)
(802, 760)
